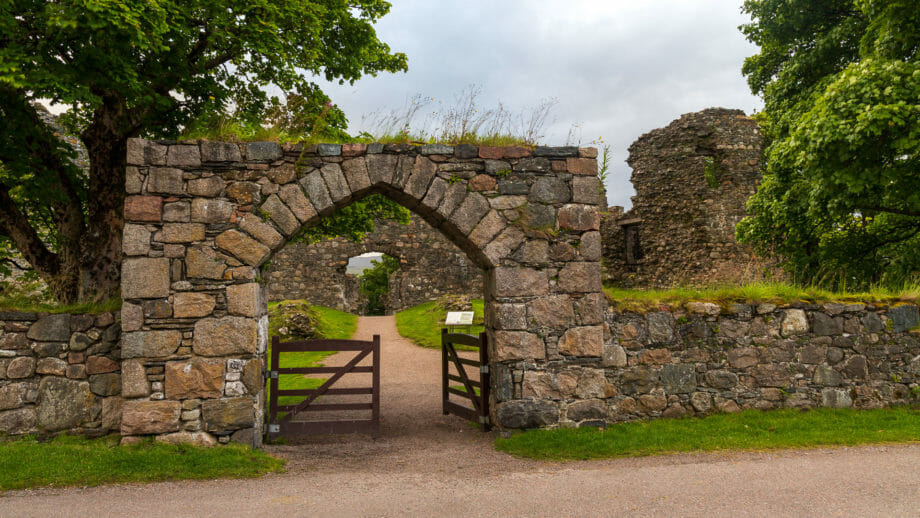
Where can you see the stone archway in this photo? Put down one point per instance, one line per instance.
(202, 217)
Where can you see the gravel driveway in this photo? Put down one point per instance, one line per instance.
(427, 464)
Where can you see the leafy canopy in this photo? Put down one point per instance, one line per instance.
(132, 68)
(840, 198)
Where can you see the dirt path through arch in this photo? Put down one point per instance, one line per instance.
(414, 433)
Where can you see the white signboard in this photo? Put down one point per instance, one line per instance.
(459, 318)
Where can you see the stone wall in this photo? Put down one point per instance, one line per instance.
(703, 358)
(430, 266)
(59, 373)
(692, 179)
(202, 217)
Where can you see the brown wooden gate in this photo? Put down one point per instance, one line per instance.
(475, 392)
(288, 424)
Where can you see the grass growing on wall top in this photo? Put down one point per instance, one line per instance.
(748, 430)
(77, 461)
(28, 305)
(422, 323)
(772, 292)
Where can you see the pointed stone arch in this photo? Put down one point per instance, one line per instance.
(202, 217)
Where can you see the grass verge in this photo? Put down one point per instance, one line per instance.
(77, 461)
(748, 430)
(773, 292)
(422, 324)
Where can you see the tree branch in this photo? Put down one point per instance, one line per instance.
(25, 237)
(892, 210)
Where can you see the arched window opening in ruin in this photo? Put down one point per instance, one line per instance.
(373, 271)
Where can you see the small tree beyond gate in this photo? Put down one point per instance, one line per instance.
(202, 217)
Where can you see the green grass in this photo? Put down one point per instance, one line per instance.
(773, 292)
(748, 430)
(422, 324)
(77, 461)
(29, 305)
(329, 323)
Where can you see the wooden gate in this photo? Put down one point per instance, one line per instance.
(288, 423)
(475, 392)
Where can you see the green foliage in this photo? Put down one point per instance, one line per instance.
(152, 69)
(711, 172)
(308, 117)
(27, 463)
(748, 430)
(840, 198)
(422, 324)
(356, 220)
(375, 283)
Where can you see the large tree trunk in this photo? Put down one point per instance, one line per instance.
(100, 251)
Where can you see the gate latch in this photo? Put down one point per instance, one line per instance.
(270, 374)
(483, 419)
(274, 428)
(483, 369)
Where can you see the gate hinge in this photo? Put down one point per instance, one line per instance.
(274, 428)
(483, 419)
(270, 374)
(483, 369)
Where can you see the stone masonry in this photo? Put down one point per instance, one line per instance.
(59, 373)
(692, 179)
(702, 358)
(430, 266)
(202, 217)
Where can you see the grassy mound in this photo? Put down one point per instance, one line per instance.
(422, 324)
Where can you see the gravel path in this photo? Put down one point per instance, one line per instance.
(427, 464)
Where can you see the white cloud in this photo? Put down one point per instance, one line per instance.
(617, 68)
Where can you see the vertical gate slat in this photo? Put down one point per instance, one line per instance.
(444, 371)
(273, 383)
(485, 378)
(375, 403)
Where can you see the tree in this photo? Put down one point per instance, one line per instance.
(375, 283)
(136, 68)
(840, 197)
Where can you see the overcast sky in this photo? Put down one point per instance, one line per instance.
(617, 68)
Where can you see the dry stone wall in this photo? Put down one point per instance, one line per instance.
(703, 358)
(430, 266)
(692, 179)
(59, 373)
(202, 217)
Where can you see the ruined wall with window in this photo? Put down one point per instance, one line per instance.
(692, 179)
(430, 266)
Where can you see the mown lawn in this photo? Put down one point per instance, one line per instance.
(77, 461)
(422, 324)
(748, 430)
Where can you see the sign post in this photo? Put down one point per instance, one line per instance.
(460, 319)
